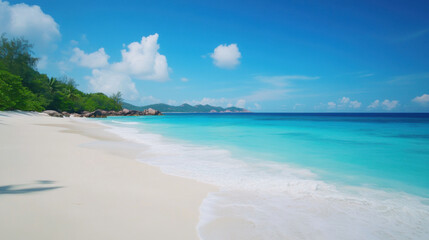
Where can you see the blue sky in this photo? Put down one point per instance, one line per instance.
(282, 56)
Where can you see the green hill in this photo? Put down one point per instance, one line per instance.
(184, 108)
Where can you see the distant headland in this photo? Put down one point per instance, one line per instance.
(185, 108)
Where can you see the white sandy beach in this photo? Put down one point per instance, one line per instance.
(59, 181)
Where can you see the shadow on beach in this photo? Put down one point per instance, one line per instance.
(15, 189)
(17, 112)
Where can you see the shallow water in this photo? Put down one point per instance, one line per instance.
(297, 176)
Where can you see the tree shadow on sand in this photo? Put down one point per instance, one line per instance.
(16, 112)
(17, 189)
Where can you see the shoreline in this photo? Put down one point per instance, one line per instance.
(65, 179)
(230, 196)
(268, 200)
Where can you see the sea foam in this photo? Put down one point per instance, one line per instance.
(259, 199)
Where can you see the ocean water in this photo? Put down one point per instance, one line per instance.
(296, 176)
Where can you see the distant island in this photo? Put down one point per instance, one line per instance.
(185, 108)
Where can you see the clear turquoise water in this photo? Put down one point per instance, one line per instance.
(296, 176)
(378, 150)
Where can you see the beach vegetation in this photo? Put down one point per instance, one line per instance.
(23, 87)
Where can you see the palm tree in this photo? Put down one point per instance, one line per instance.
(70, 91)
(52, 83)
(117, 97)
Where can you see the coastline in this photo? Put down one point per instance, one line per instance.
(108, 181)
(263, 199)
(67, 179)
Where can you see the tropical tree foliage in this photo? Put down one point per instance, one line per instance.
(13, 95)
(23, 87)
(117, 97)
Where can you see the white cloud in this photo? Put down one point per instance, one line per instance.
(386, 104)
(355, 104)
(374, 104)
(344, 100)
(344, 103)
(223, 102)
(257, 106)
(110, 82)
(96, 59)
(211, 101)
(30, 22)
(423, 99)
(332, 105)
(141, 61)
(226, 56)
(183, 79)
(241, 103)
(389, 105)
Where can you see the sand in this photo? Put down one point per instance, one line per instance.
(61, 178)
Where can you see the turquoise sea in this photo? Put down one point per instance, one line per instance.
(296, 176)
